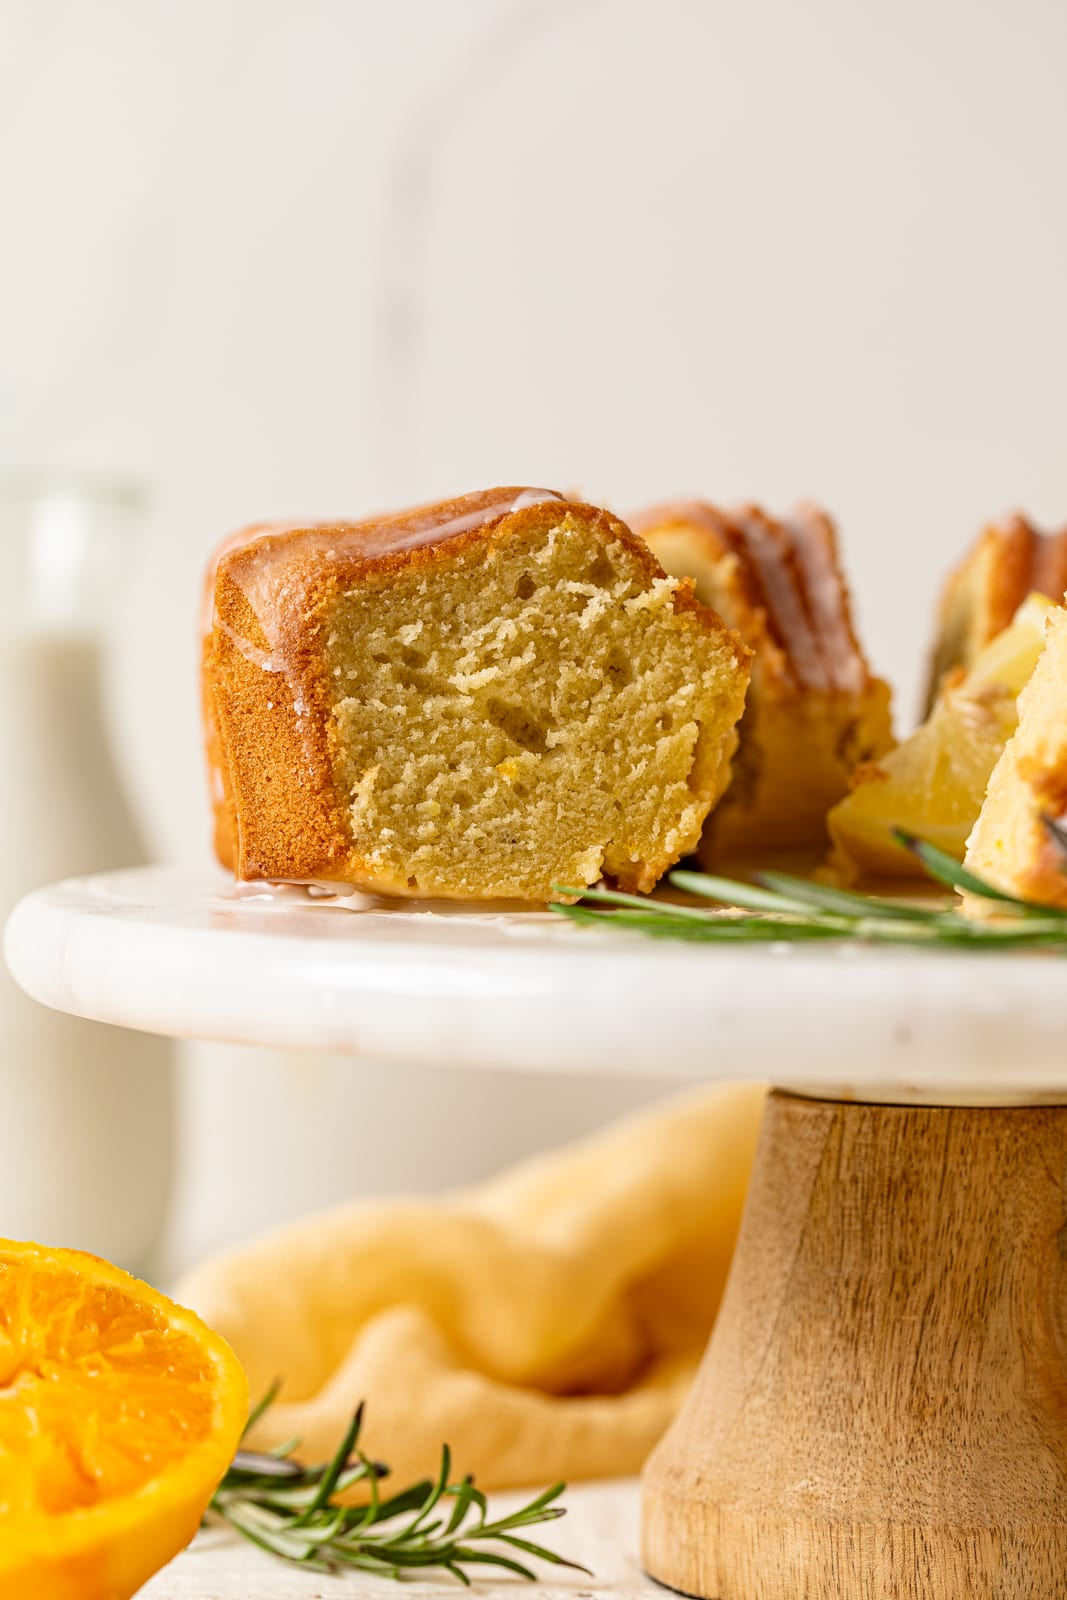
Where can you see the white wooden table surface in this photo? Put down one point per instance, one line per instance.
(600, 1530)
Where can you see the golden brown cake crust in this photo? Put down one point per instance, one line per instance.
(786, 591)
(278, 812)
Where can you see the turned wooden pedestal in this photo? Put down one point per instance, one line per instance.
(882, 1410)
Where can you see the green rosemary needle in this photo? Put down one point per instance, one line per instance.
(779, 906)
(295, 1512)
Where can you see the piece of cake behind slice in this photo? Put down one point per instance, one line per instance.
(814, 709)
(1019, 843)
(1010, 559)
(476, 699)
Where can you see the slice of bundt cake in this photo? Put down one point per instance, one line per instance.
(1009, 560)
(1019, 842)
(476, 699)
(814, 710)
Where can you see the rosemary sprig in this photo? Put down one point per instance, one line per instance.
(295, 1512)
(779, 906)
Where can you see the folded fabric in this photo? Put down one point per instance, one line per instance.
(546, 1324)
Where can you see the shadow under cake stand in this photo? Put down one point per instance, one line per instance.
(882, 1410)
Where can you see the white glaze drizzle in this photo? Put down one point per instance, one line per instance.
(342, 896)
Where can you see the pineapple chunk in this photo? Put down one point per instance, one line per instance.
(933, 783)
(1019, 842)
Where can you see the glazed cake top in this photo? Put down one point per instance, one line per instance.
(253, 559)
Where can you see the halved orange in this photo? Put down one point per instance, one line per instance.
(119, 1413)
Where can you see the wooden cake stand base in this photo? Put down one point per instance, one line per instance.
(882, 1410)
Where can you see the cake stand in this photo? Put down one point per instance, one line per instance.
(882, 1410)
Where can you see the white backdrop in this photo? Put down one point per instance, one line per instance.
(326, 256)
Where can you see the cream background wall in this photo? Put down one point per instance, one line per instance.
(320, 257)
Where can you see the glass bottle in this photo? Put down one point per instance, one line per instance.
(86, 1109)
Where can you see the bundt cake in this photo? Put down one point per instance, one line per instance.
(1009, 560)
(474, 699)
(814, 711)
(1019, 842)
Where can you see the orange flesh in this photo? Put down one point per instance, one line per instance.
(97, 1393)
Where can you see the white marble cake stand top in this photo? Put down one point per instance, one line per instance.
(184, 953)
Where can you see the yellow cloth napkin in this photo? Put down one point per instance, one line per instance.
(546, 1324)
